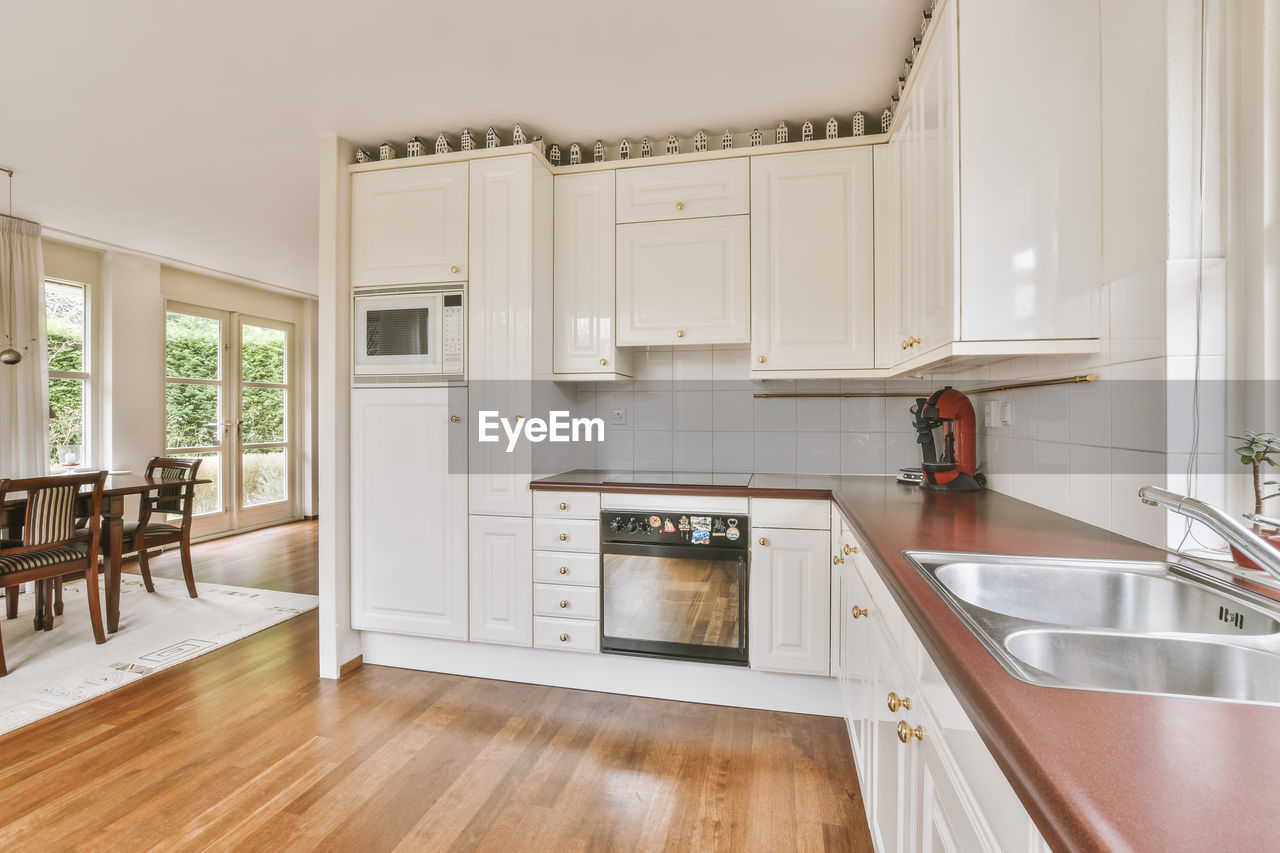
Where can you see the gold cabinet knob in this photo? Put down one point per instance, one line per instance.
(837, 560)
(563, 505)
(859, 612)
(564, 537)
(565, 603)
(453, 419)
(679, 333)
(906, 732)
(764, 541)
(896, 702)
(454, 269)
(564, 638)
(761, 359)
(564, 570)
(679, 205)
(904, 344)
(851, 549)
(603, 362)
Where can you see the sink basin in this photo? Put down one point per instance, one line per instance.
(1114, 625)
(1137, 664)
(1135, 600)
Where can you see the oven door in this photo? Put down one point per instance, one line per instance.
(398, 334)
(681, 602)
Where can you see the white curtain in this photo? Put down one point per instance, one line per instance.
(24, 387)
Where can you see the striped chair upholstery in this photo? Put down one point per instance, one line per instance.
(10, 563)
(51, 515)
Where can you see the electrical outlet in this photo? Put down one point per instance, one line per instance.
(1006, 413)
(618, 417)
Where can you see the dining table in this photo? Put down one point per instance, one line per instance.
(114, 491)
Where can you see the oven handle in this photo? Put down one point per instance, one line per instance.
(692, 552)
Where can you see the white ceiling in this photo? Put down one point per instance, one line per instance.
(189, 129)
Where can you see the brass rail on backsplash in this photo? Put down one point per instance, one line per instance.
(989, 389)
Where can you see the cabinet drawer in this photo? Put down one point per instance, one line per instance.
(567, 504)
(685, 191)
(566, 602)
(572, 635)
(557, 567)
(796, 514)
(567, 534)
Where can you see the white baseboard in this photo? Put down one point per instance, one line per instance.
(631, 676)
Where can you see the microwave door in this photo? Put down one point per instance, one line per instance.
(398, 335)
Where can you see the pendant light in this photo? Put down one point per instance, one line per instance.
(9, 355)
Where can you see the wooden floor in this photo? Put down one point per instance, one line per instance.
(245, 749)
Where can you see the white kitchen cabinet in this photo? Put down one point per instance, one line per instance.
(584, 341)
(501, 590)
(684, 282)
(409, 225)
(683, 191)
(858, 666)
(510, 259)
(812, 261)
(409, 542)
(945, 821)
(891, 322)
(789, 600)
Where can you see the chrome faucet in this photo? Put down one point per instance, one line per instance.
(1244, 539)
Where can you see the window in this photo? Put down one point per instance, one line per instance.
(67, 320)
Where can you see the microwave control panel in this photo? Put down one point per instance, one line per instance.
(452, 334)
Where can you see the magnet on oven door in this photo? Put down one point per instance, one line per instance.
(655, 522)
(732, 534)
(668, 527)
(700, 537)
(684, 522)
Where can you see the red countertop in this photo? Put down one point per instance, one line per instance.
(1096, 771)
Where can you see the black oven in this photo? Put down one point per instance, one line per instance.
(674, 585)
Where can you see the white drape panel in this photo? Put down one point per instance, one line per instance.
(24, 387)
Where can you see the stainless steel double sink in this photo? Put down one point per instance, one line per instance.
(1111, 625)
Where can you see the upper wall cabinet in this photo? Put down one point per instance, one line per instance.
(686, 191)
(812, 265)
(409, 225)
(583, 337)
(684, 282)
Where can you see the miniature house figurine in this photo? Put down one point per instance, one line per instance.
(624, 150)
(806, 131)
(466, 141)
(757, 138)
(673, 144)
(575, 154)
(415, 148)
(646, 148)
(726, 141)
(925, 17)
(540, 144)
(598, 152)
(517, 135)
(915, 47)
(700, 141)
(859, 124)
(780, 133)
(886, 120)
(491, 139)
(554, 155)
(386, 151)
(833, 128)
(362, 156)
(442, 144)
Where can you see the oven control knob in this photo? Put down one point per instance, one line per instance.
(618, 525)
(634, 526)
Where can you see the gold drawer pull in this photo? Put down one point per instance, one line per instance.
(906, 732)
(764, 541)
(564, 638)
(896, 702)
(859, 612)
(453, 419)
(851, 549)
(454, 269)
(565, 603)
(564, 570)
(761, 359)
(564, 505)
(564, 537)
(603, 362)
(679, 205)
(837, 560)
(679, 333)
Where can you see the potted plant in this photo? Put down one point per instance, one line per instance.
(1260, 451)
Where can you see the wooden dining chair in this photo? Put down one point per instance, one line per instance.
(176, 500)
(51, 546)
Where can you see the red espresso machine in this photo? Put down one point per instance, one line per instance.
(948, 439)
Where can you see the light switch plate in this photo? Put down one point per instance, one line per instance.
(1006, 413)
(618, 417)
(991, 414)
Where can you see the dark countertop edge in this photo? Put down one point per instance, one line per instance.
(1062, 820)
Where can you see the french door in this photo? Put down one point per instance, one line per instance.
(228, 401)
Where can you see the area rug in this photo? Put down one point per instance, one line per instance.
(50, 671)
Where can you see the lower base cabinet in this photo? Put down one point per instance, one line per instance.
(790, 601)
(501, 589)
(928, 781)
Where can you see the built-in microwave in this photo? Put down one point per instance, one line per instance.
(409, 335)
